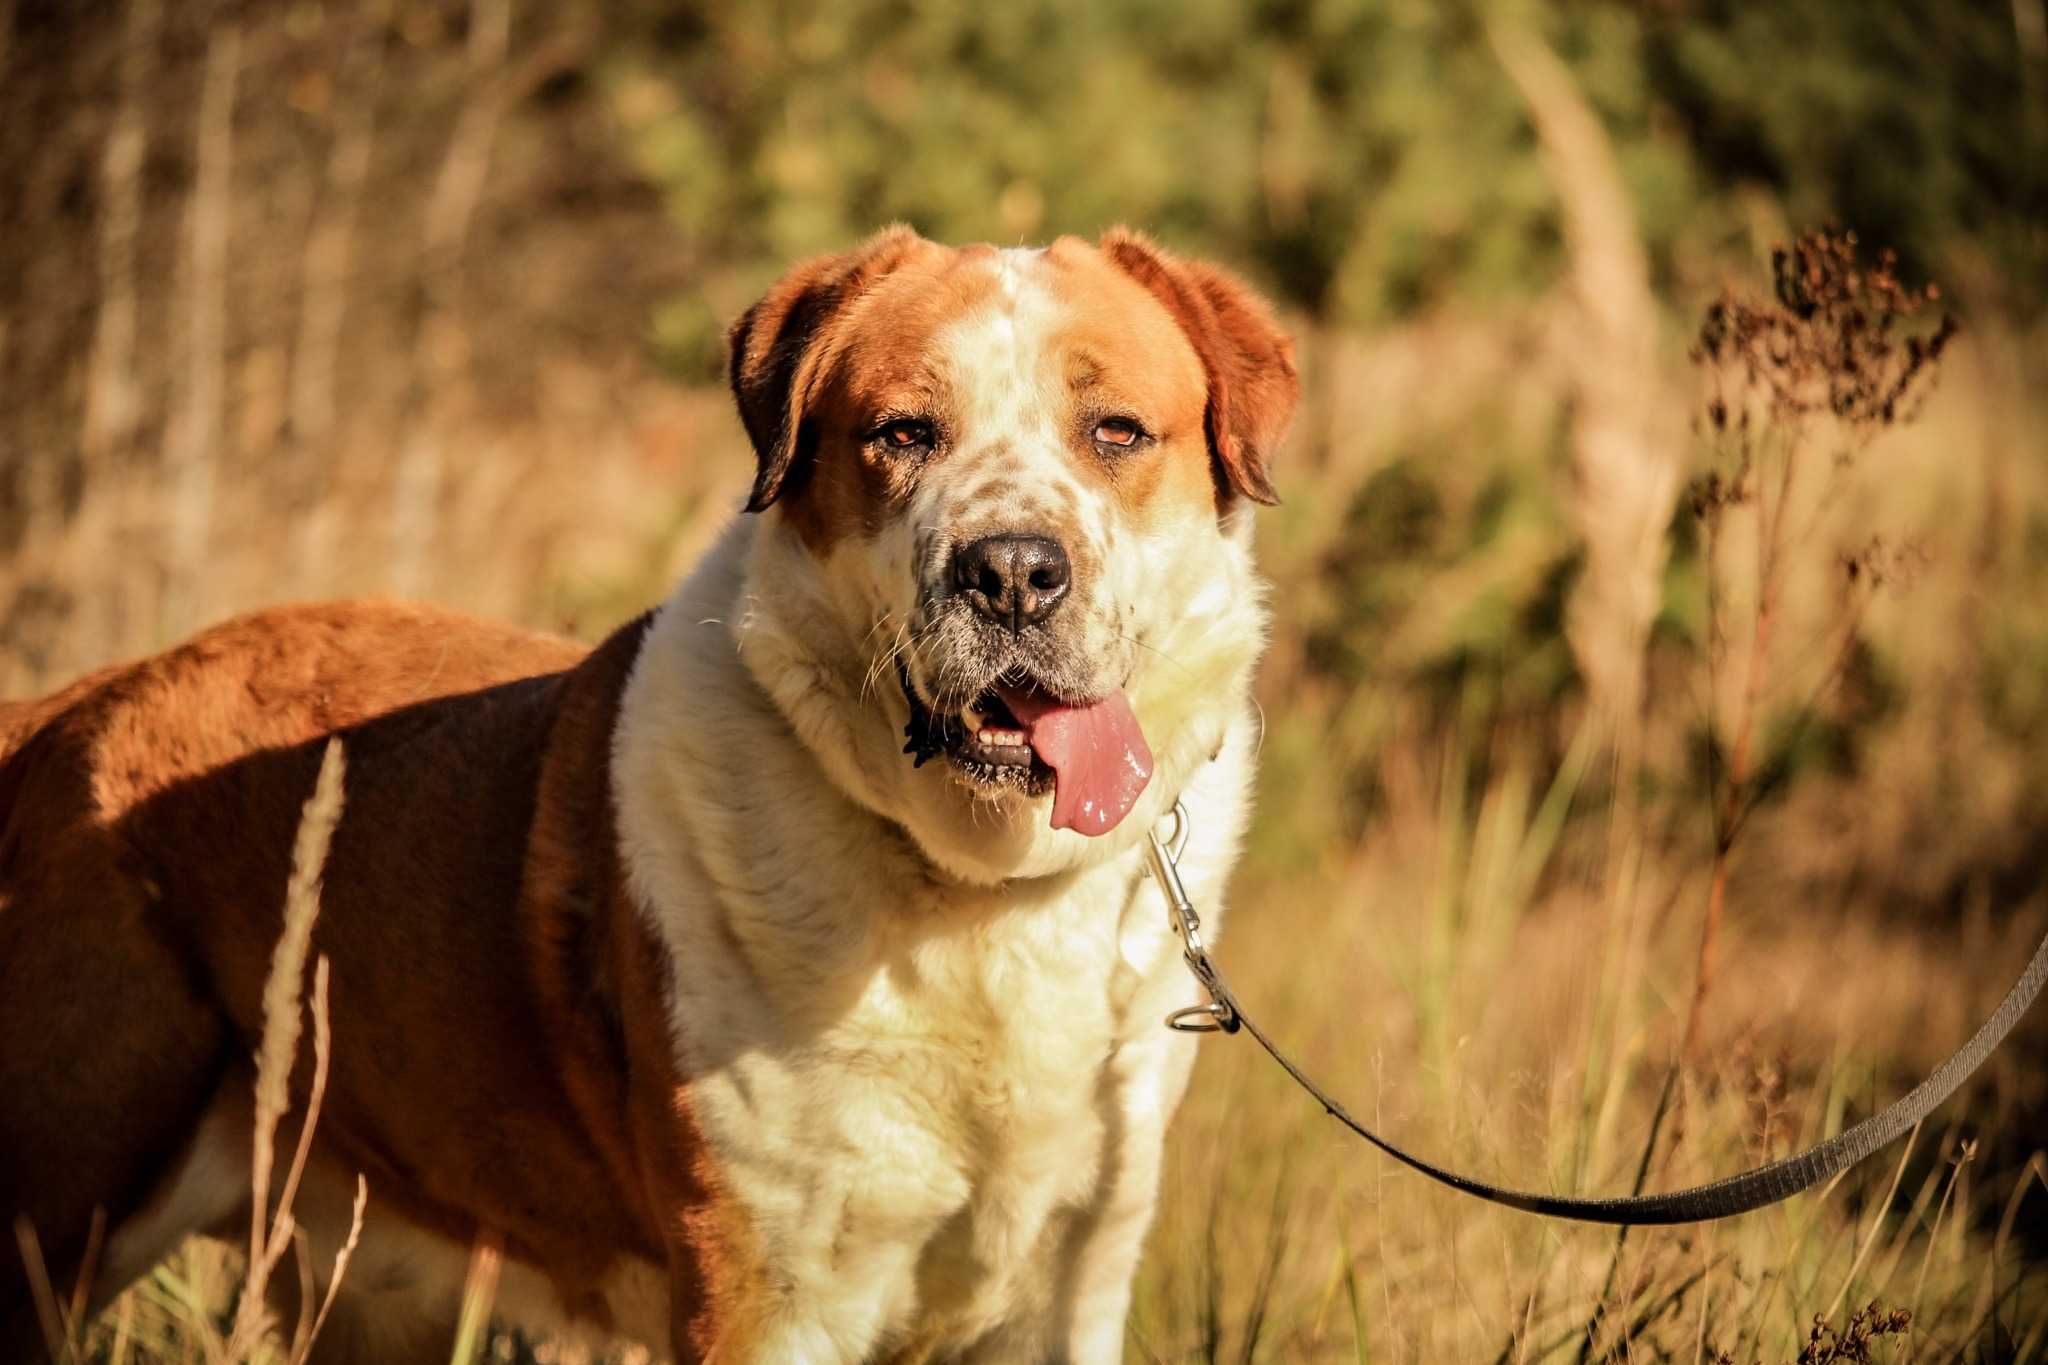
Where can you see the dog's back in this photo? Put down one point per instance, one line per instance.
(146, 822)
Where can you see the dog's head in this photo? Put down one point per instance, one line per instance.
(1004, 590)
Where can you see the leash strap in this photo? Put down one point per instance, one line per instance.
(1743, 1193)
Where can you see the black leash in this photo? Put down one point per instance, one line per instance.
(1721, 1199)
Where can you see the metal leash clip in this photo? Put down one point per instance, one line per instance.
(1218, 1016)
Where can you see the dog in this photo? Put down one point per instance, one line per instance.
(777, 981)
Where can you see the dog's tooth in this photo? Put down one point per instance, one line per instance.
(972, 719)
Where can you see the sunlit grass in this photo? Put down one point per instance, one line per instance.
(1282, 1238)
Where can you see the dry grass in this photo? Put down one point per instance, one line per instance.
(1506, 988)
(1495, 1046)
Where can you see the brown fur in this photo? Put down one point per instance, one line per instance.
(1249, 361)
(146, 822)
(777, 363)
(843, 338)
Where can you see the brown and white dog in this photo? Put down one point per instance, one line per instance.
(746, 1029)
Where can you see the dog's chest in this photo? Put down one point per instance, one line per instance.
(921, 1133)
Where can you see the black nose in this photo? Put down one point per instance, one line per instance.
(1013, 580)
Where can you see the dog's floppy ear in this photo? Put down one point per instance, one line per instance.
(1249, 361)
(775, 360)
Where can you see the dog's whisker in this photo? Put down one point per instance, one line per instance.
(882, 661)
(1151, 649)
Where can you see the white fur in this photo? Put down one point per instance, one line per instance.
(206, 1187)
(922, 1030)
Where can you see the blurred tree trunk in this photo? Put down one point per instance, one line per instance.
(192, 454)
(1625, 458)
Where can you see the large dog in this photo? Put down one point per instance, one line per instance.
(744, 1027)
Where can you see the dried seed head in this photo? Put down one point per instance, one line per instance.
(1837, 339)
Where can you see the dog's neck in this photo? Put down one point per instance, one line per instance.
(752, 697)
(814, 672)
(742, 722)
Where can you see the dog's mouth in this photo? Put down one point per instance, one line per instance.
(1020, 735)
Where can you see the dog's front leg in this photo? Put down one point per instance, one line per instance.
(1148, 1075)
(772, 1318)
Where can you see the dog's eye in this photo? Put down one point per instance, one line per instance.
(1119, 433)
(905, 435)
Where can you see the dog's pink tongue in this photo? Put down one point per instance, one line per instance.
(1097, 753)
